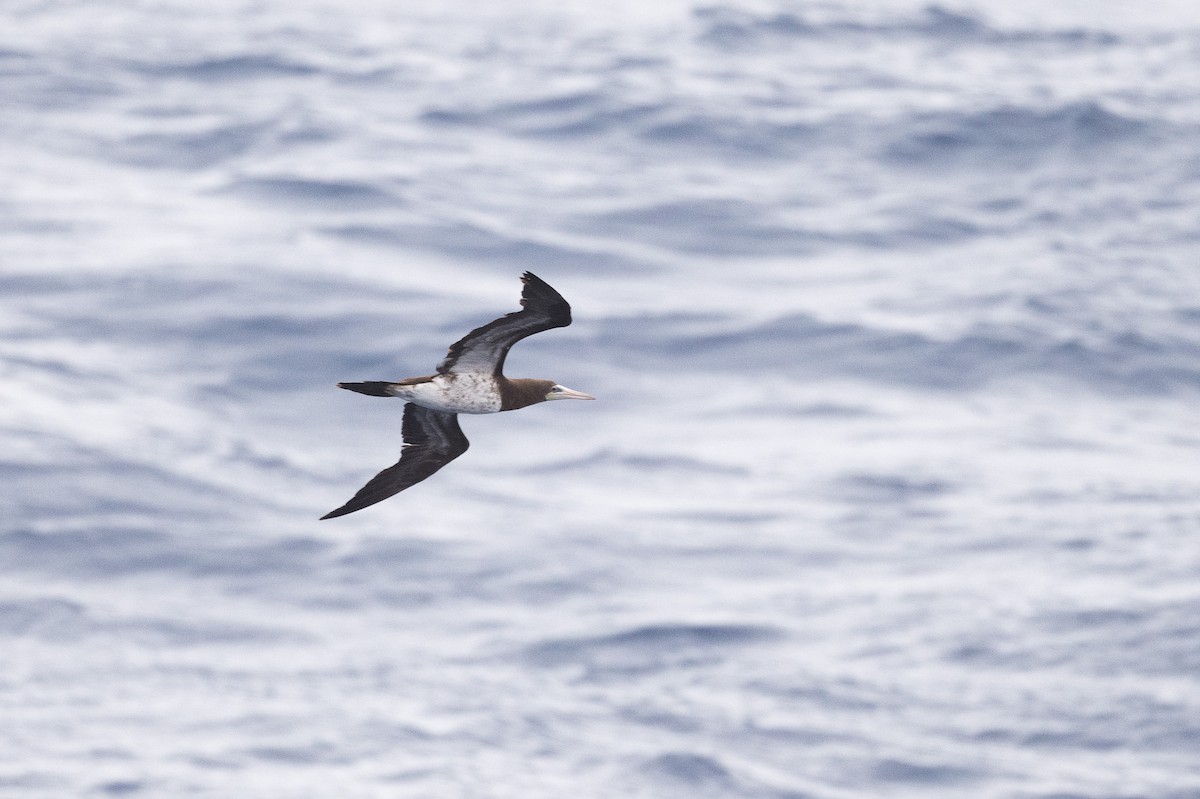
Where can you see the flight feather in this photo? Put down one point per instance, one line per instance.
(431, 440)
(484, 349)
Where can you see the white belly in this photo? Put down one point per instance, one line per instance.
(461, 393)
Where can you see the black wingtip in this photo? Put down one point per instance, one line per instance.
(539, 291)
(349, 507)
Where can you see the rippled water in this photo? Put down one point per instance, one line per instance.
(892, 490)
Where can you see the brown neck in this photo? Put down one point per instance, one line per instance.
(520, 393)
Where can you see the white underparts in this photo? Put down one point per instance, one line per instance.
(453, 393)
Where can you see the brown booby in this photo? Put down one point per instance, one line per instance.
(469, 380)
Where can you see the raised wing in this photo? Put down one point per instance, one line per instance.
(431, 440)
(482, 351)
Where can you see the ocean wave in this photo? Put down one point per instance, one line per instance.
(59, 620)
(637, 462)
(685, 773)
(95, 484)
(54, 84)
(891, 488)
(728, 134)
(470, 241)
(892, 770)
(729, 27)
(189, 150)
(652, 647)
(1013, 134)
(9, 55)
(1147, 639)
(817, 410)
(558, 115)
(802, 345)
(296, 191)
(43, 617)
(724, 227)
(1156, 638)
(246, 335)
(220, 68)
(670, 121)
(705, 226)
(114, 552)
(696, 771)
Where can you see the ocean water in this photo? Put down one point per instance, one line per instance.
(892, 489)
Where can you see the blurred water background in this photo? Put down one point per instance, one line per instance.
(893, 311)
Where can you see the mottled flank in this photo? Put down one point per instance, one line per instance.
(453, 393)
(893, 307)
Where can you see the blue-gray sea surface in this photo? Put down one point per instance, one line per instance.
(892, 489)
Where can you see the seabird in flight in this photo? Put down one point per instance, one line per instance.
(470, 380)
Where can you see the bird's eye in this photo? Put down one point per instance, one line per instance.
(556, 390)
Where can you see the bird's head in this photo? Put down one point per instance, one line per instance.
(523, 392)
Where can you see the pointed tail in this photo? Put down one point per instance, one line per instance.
(372, 388)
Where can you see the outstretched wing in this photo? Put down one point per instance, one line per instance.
(431, 440)
(482, 351)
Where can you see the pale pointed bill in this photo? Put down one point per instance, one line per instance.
(562, 392)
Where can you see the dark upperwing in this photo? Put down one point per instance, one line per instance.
(431, 440)
(483, 349)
